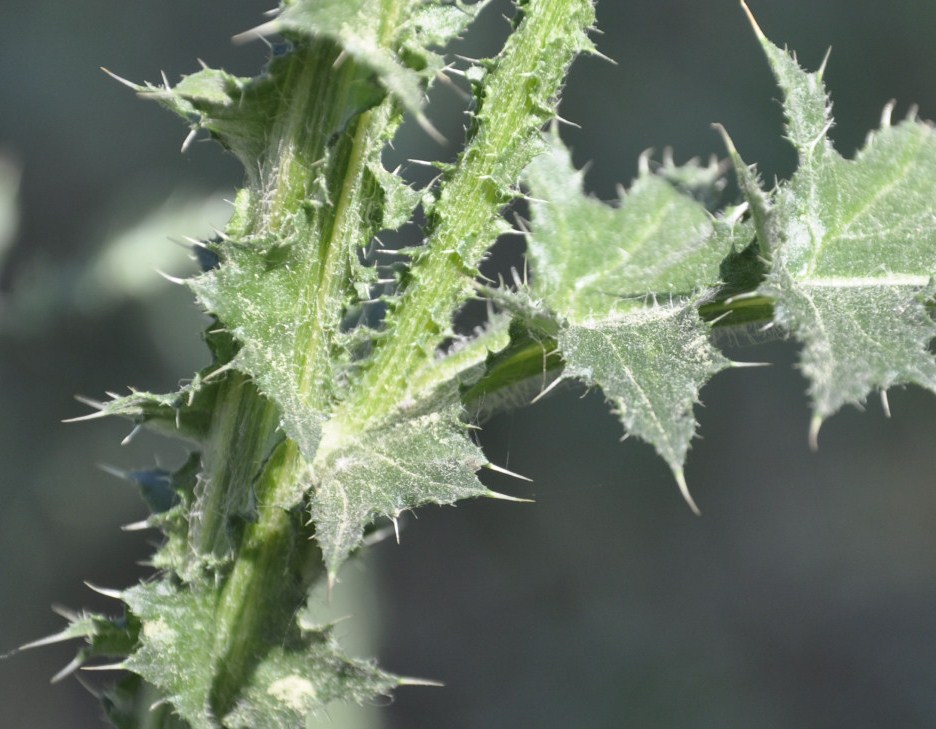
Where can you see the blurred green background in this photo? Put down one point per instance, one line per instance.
(804, 596)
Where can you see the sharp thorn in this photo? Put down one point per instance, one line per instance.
(504, 497)
(684, 490)
(256, 33)
(106, 667)
(131, 435)
(89, 416)
(48, 640)
(170, 278)
(750, 15)
(105, 591)
(498, 469)
(885, 403)
(121, 79)
(137, 526)
(814, 425)
(825, 61)
(429, 129)
(545, 391)
(72, 666)
(189, 138)
(410, 681)
(114, 471)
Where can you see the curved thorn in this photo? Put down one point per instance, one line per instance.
(885, 403)
(131, 435)
(105, 591)
(684, 490)
(814, 425)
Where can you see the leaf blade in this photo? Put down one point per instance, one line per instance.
(601, 270)
(853, 249)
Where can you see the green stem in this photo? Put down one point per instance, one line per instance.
(276, 564)
(243, 427)
(276, 560)
(519, 93)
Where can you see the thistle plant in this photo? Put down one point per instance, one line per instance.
(341, 394)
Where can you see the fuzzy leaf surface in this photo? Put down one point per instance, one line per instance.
(424, 458)
(853, 249)
(284, 282)
(389, 446)
(300, 679)
(310, 132)
(300, 674)
(403, 63)
(625, 282)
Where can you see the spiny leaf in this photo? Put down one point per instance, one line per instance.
(516, 375)
(299, 675)
(397, 49)
(650, 362)
(381, 473)
(186, 413)
(299, 679)
(104, 637)
(625, 284)
(176, 552)
(591, 260)
(853, 249)
(259, 299)
(263, 290)
(460, 365)
(422, 456)
(176, 651)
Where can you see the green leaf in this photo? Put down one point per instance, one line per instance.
(299, 679)
(285, 281)
(625, 284)
(186, 413)
(650, 363)
(852, 245)
(176, 552)
(396, 49)
(301, 672)
(591, 260)
(176, 650)
(423, 455)
(418, 460)
(104, 637)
